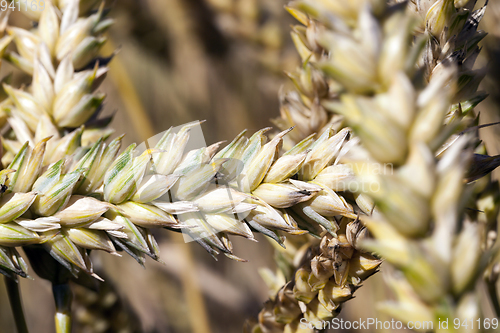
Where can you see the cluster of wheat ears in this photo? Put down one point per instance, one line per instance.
(379, 159)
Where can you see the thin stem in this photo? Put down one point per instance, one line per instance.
(16, 304)
(62, 297)
(492, 290)
(198, 313)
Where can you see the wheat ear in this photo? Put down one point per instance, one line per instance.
(419, 224)
(403, 124)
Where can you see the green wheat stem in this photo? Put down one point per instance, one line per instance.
(16, 304)
(62, 297)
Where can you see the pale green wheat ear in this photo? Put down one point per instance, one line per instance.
(105, 200)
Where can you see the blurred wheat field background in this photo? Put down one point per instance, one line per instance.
(222, 61)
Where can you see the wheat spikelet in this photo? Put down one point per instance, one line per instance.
(303, 107)
(329, 273)
(84, 203)
(60, 54)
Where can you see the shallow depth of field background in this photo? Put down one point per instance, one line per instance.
(221, 61)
